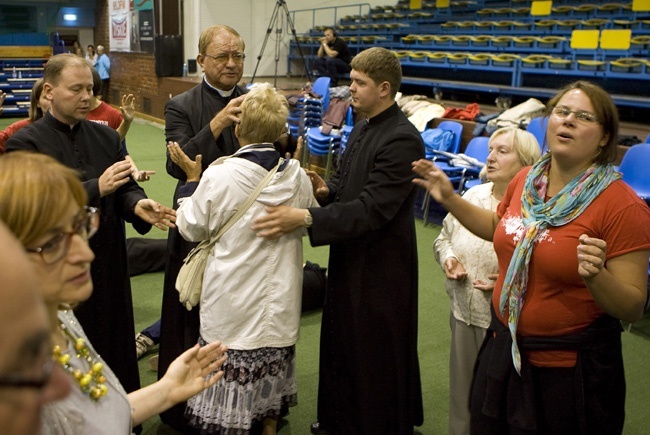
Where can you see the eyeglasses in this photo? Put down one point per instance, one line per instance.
(19, 381)
(85, 225)
(223, 58)
(582, 116)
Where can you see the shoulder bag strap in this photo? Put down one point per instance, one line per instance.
(246, 205)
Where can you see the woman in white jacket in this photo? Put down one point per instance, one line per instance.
(251, 293)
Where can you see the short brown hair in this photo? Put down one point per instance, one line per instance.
(604, 109)
(57, 63)
(381, 65)
(208, 34)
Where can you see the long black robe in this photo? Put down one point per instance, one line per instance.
(187, 119)
(369, 378)
(107, 316)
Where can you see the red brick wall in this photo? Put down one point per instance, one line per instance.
(135, 73)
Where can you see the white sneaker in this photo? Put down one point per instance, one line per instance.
(142, 344)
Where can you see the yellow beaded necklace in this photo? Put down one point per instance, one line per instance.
(92, 383)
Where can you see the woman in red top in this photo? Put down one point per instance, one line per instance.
(37, 106)
(572, 242)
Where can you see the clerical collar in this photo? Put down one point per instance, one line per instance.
(224, 94)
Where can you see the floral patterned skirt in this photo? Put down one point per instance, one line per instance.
(257, 384)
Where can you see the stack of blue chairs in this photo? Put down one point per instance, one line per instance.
(346, 130)
(329, 145)
(309, 111)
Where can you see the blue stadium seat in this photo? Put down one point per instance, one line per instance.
(537, 127)
(634, 168)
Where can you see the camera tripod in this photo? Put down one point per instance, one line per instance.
(278, 30)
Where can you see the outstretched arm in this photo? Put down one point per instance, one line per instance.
(185, 377)
(478, 220)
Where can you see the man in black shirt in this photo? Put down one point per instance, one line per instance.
(333, 56)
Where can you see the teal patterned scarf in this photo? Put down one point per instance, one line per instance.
(537, 215)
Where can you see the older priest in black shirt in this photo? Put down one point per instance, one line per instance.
(201, 121)
(95, 151)
(369, 377)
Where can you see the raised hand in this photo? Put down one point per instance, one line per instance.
(128, 107)
(591, 256)
(114, 177)
(192, 168)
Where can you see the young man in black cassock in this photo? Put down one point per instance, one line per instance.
(96, 152)
(369, 379)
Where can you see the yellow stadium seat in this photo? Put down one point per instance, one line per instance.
(442, 4)
(449, 24)
(568, 23)
(437, 56)
(460, 40)
(460, 58)
(425, 39)
(501, 41)
(641, 5)
(503, 23)
(479, 58)
(591, 65)
(481, 40)
(586, 8)
(542, 24)
(523, 41)
(401, 54)
(559, 63)
(409, 39)
(557, 10)
(612, 7)
(483, 24)
(486, 11)
(615, 39)
(541, 8)
(442, 39)
(640, 42)
(594, 23)
(584, 39)
(417, 56)
(504, 59)
(626, 65)
(624, 24)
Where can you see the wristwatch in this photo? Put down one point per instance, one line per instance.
(309, 220)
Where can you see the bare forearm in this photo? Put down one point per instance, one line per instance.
(619, 299)
(123, 129)
(478, 220)
(149, 401)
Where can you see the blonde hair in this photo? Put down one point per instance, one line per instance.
(524, 142)
(263, 115)
(36, 192)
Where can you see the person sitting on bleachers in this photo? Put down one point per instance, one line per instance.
(333, 57)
